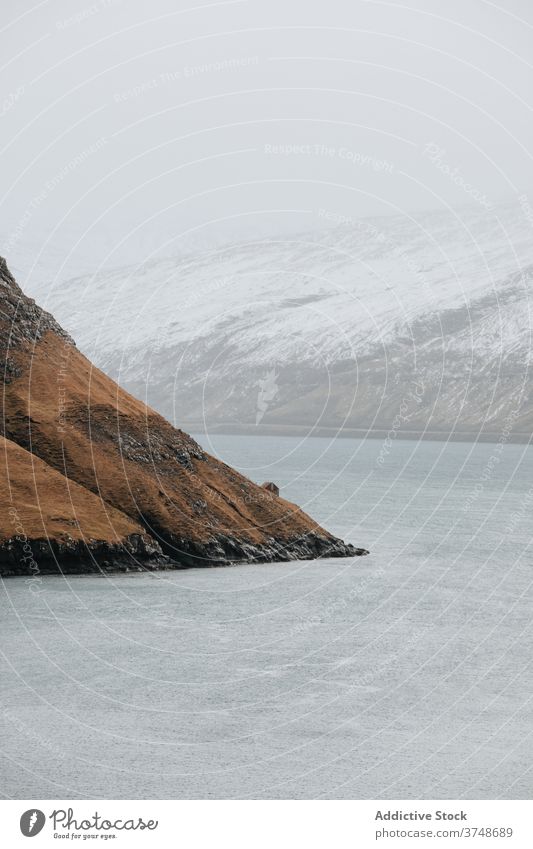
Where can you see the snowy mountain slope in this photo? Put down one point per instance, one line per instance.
(427, 321)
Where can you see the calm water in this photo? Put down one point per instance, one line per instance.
(403, 674)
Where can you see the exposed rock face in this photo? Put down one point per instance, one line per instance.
(22, 322)
(96, 478)
(48, 556)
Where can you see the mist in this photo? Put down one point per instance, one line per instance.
(134, 131)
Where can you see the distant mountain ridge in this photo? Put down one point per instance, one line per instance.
(420, 326)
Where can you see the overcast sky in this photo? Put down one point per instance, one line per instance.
(169, 123)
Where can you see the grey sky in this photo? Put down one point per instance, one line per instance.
(195, 122)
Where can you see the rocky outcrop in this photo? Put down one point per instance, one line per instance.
(22, 323)
(35, 557)
(271, 487)
(111, 482)
(222, 550)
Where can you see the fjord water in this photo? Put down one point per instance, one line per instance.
(403, 674)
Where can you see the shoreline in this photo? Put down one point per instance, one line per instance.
(323, 432)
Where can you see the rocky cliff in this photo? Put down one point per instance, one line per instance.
(93, 478)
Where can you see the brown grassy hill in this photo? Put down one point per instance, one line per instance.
(62, 409)
(46, 519)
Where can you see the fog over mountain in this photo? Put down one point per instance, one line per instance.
(402, 324)
(308, 216)
(132, 132)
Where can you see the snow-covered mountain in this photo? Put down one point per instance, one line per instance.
(394, 324)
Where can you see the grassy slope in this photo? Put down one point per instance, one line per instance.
(68, 413)
(41, 501)
(114, 445)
